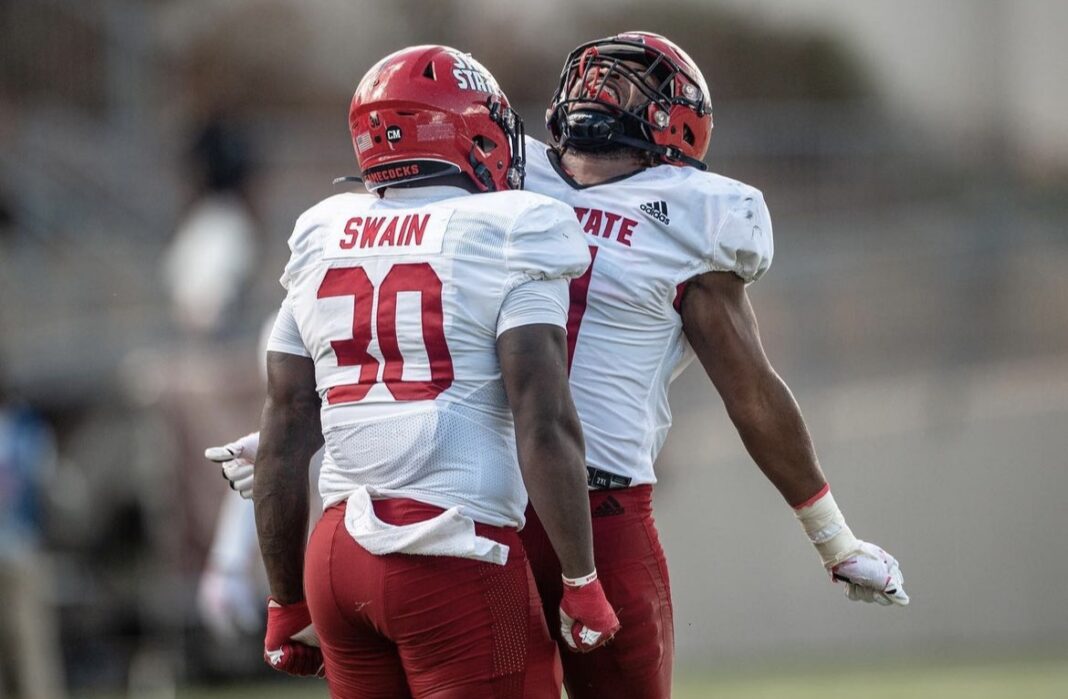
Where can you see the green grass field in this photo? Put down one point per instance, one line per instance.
(1046, 679)
(1016, 680)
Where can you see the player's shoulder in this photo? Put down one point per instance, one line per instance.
(697, 204)
(726, 219)
(323, 213)
(327, 209)
(519, 204)
(544, 239)
(305, 242)
(704, 186)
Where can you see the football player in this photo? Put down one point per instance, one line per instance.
(673, 248)
(422, 339)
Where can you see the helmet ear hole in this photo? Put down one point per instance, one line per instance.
(484, 144)
(687, 134)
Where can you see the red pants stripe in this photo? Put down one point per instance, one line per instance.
(428, 627)
(637, 663)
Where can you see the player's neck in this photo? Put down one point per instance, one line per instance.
(594, 168)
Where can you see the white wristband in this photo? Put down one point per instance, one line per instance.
(580, 582)
(826, 528)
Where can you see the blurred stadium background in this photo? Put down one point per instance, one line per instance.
(915, 158)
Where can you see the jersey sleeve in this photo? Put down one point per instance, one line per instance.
(545, 243)
(285, 335)
(743, 243)
(543, 301)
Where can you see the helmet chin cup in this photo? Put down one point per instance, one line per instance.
(591, 130)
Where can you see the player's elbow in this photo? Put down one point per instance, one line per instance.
(551, 432)
(561, 427)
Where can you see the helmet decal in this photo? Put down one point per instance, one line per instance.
(470, 75)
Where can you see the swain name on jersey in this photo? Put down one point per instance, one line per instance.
(395, 233)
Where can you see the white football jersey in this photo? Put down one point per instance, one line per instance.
(648, 233)
(399, 301)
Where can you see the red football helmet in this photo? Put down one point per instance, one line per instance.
(673, 120)
(430, 111)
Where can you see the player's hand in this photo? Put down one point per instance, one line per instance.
(228, 606)
(871, 575)
(291, 645)
(238, 461)
(587, 620)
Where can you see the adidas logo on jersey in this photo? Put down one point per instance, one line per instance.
(658, 210)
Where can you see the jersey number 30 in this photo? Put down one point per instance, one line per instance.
(353, 281)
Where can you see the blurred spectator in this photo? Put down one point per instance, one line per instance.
(207, 272)
(232, 587)
(29, 654)
(207, 267)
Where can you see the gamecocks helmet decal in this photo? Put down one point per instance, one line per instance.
(429, 111)
(672, 118)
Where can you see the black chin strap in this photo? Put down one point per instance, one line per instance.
(667, 152)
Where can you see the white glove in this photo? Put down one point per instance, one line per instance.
(229, 604)
(238, 459)
(871, 575)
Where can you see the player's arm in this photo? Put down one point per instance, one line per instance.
(721, 326)
(722, 329)
(551, 452)
(289, 434)
(549, 439)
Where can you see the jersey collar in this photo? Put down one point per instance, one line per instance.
(554, 160)
(428, 193)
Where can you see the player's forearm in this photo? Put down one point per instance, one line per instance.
(770, 424)
(552, 456)
(554, 472)
(288, 438)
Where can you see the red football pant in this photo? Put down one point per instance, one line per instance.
(631, 567)
(429, 627)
